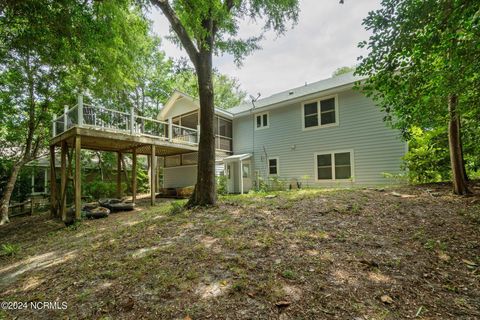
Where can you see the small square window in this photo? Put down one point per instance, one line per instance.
(273, 166)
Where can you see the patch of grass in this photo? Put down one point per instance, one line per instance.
(432, 244)
(10, 249)
(176, 208)
(289, 274)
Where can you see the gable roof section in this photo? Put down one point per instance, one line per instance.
(177, 95)
(299, 92)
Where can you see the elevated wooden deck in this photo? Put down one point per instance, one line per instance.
(98, 128)
(104, 140)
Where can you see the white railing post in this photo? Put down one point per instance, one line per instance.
(54, 125)
(170, 129)
(80, 110)
(65, 118)
(132, 120)
(198, 133)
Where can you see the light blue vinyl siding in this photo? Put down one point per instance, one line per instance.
(377, 148)
(184, 176)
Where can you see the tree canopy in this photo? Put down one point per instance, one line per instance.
(204, 28)
(422, 66)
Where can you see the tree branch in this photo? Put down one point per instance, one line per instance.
(179, 29)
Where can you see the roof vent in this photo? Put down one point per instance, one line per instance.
(290, 93)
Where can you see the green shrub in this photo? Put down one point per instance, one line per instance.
(101, 189)
(222, 185)
(276, 184)
(9, 249)
(176, 208)
(427, 159)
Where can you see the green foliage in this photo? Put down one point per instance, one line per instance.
(221, 184)
(420, 53)
(343, 70)
(101, 189)
(24, 180)
(197, 16)
(276, 184)
(176, 208)
(227, 91)
(10, 249)
(427, 159)
(271, 184)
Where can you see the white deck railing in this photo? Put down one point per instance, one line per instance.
(100, 118)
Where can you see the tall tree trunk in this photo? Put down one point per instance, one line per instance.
(5, 201)
(465, 175)
(204, 193)
(456, 158)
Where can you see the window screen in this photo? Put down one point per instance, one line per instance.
(343, 168)
(327, 111)
(311, 114)
(272, 166)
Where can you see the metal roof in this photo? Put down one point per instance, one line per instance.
(238, 157)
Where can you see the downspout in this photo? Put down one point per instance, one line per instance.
(241, 177)
(253, 127)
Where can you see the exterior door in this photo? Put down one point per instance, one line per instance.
(229, 173)
(247, 175)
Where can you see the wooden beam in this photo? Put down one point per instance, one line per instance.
(78, 178)
(53, 184)
(119, 174)
(153, 170)
(63, 181)
(134, 175)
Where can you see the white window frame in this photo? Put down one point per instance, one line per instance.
(332, 154)
(318, 100)
(278, 166)
(261, 117)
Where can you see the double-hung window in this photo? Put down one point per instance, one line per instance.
(261, 121)
(320, 113)
(273, 166)
(334, 165)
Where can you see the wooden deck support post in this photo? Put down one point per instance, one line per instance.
(78, 178)
(134, 175)
(80, 109)
(53, 184)
(153, 170)
(63, 181)
(119, 174)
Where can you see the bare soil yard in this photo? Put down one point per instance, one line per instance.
(411, 252)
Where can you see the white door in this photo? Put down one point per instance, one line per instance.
(247, 175)
(229, 173)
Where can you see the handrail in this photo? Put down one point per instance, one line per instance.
(151, 119)
(102, 118)
(107, 109)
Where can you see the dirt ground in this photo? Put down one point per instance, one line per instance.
(400, 253)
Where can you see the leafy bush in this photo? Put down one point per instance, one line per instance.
(427, 159)
(277, 184)
(176, 208)
(100, 189)
(9, 249)
(222, 185)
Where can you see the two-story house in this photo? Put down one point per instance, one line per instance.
(322, 134)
